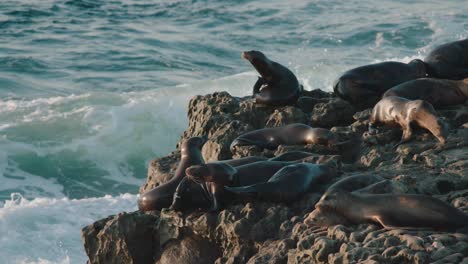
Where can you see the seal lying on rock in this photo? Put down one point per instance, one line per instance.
(363, 86)
(437, 92)
(449, 61)
(293, 134)
(214, 176)
(288, 184)
(354, 183)
(390, 210)
(277, 85)
(161, 196)
(394, 111)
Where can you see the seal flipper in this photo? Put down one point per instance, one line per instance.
(260, 82)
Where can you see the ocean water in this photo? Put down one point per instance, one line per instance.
(91, 90)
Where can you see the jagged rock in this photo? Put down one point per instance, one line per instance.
(189, 250)
(123, 238)
(307, 104)
(336, 112)
(285, 116)
(217, 146)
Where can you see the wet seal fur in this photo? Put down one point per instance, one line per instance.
(437, 92)
(215, 175)
(449, 61)
(397, 111)
(293, 134)
(363, 86)
(277, 85)
(388, 210)
(162, 195)
(287, 185)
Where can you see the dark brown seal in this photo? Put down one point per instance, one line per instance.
(287, 185)
(243, 161)
(277, 84)
(397, 111)
(363, 86)
(393, 210)
(162, 196)
(214, 176)
(293, 134)
(437, 92)
(355, 182)
(449, 61)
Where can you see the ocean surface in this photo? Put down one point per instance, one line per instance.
(91, 90)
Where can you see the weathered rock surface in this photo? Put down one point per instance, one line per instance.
(262, 232)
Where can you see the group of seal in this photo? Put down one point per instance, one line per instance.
(363, 86)
(399, 93)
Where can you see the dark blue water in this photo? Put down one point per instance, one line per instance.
(91, 90)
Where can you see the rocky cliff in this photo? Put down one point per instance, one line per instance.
(262, 232)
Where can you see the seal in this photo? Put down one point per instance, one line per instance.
(449, 61)
(394, 111)
(393, 210)
(363, 86)
(292, 134)
(293, 156)
(277, 85)
(214, 176)
(325, 218)
(162, 195)
(437, 92)
(287, 185)
(242, 161)
(355, 182)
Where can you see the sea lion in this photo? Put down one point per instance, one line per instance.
(393, 210)
(287, 185)
(363, 86)
(277, 85)
(162, 195)
(243, 161)
(437, 92)
(214, 176)
(292, 156)
(394, 111)
(449, 61)
(325, 218)
(355, 182)
(293, 134)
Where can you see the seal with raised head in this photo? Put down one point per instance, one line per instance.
(162, 195)
(449, 61)
(277, 85)
(214, 176)
(363, 86)
(293, 134)
(397, 111)
(438, 92)
(393, 210)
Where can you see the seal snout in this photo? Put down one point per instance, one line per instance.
(244, 55)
